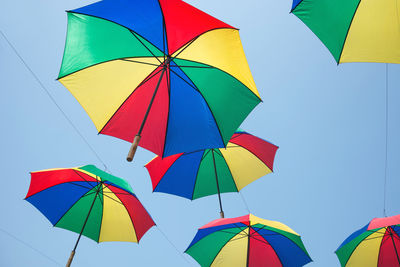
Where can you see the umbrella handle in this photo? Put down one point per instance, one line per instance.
(222, 214)
(71, 257)
(134, 146)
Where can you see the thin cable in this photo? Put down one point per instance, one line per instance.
(29, 246)
(386, 139)
(245, 203)
(53, 100)
(172, 244)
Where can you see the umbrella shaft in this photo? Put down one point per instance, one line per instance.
(216, 179)
(84, 224)
(151, 102)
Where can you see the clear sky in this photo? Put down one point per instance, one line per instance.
(328, 120)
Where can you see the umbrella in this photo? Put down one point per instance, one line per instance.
(158, 70)
(354, 30)
(376, 244)
(247, 241)
(213, 171)
(90, 202)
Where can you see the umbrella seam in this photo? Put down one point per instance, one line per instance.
(145, 80)
(133, 224)
(216, 255)
(72, 206)
(197, 173)
(208, 106)
(348, 30)
(70, 11)
(351, 254)
(107, 61)
(271, 169)
(194, 61)
(198, 90)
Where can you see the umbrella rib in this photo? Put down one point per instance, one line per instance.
(201, 67)
(148, 49)
(347, 33)
(169, 105)
(237, 135)
(143, 82)
(84, 178)
(114, 199)
(227, 232)
(197, 173)
(216, 255)
(140, 62)
(133, 225)
(186, 46)
(205, 154)
(194, 87)
(107, 186)
(71, 207)
(79, 185)
(218, 152)
(215, 120)
(233, 77)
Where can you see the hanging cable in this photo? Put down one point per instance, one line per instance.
(172, 244)
(53, 100)
(29, 246)
(386, 138)
(245, 203)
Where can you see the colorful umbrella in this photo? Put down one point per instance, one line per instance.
(90, 202)
(354, 30)
(247, 241)
(160, 69)
(213, 171)
(375, 245)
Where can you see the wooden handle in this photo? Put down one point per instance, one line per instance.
(134, 146)
(71, 257)
(222, 214)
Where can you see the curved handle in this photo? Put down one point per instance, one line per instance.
(134, 146)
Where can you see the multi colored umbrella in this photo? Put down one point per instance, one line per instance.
(90, 202)
(247, 241)
(375, 245)
(213, 171)
(158, 69)
(354, 30)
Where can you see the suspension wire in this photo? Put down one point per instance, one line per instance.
(54, 101)
(172, 244)
(83, 138)
(30, 246)
(245, 203)
(386, 139)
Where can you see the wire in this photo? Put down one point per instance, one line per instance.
(172, 244)
(29, 246)
(245, 203)
(386, 139)
(53, 100)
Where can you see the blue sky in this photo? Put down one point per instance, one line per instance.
(328, 120)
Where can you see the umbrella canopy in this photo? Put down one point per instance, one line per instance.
(90, 202)
(354, 30)
(247, 241)
(65, 196)
(213, 171)
(158, 67)
(375, 245)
